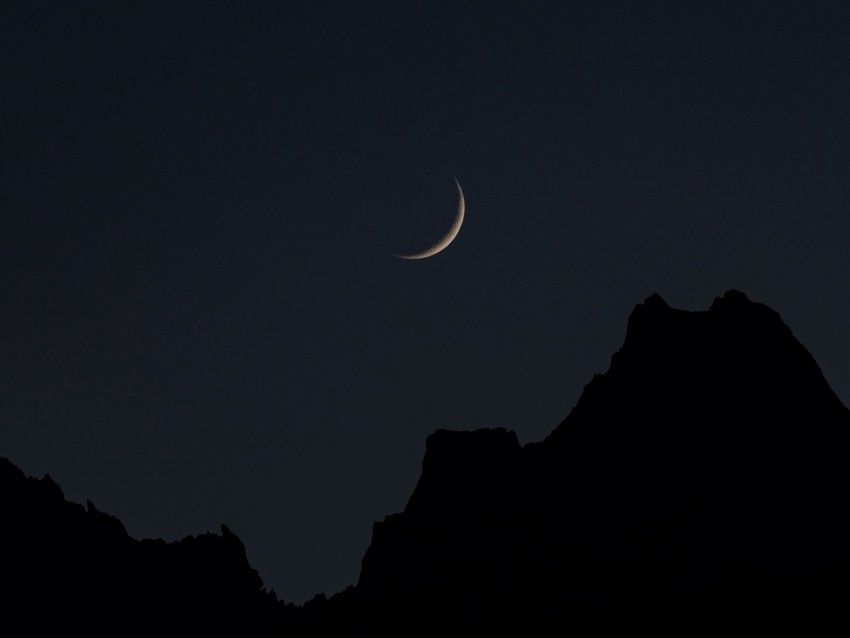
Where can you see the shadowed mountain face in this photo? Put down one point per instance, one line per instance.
(700, 484)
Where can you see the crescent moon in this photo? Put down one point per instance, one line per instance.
(449, 237)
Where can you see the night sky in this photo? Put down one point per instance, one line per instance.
(202, 320)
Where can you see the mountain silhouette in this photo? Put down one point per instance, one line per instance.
(75, 569)
(700, 484)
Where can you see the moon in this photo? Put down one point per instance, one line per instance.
(449, 237)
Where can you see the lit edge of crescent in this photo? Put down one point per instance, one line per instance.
(448, 238)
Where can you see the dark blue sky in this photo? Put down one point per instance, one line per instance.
(201, 319)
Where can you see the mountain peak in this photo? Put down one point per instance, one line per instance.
(733, 296)
(738, 355)
(655, 316)
(655, 301)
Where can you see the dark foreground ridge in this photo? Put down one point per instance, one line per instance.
(701, 484)
(73, 569)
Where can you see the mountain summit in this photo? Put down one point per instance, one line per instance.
(700, 484)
